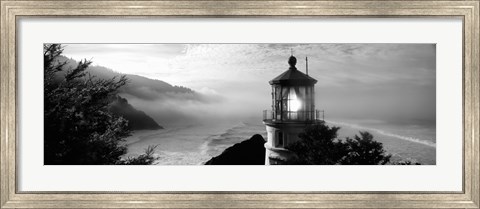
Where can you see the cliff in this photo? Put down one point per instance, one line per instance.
(248, 152)
(138, 86)
(137, 120)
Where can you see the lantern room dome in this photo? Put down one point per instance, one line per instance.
(293, 76)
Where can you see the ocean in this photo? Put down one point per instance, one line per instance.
(196, 144)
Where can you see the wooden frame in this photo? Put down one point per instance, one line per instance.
(468, 10)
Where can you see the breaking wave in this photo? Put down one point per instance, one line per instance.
(385, 133)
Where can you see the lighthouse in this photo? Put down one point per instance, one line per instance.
(293, 109)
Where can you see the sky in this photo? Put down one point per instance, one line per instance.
(393, 83)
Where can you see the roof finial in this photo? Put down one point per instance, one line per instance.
(292, 61)
(291, 51)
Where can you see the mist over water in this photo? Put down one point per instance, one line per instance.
(196, 144)
(204, 129)
(386, 89)
(196, 131)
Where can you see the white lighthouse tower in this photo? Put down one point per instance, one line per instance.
(293, 108)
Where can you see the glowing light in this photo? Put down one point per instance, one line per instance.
(295, 103)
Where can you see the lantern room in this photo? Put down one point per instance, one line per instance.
(292, 95)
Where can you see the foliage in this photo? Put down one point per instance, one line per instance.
(319, 145)
(363, 150)
(147, 158)
(79, 129)
(406, 162)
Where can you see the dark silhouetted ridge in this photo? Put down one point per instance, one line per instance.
(248, 152)
(137, 120)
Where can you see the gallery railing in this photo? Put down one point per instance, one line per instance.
(293, 115)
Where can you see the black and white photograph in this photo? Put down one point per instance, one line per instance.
(239, 104)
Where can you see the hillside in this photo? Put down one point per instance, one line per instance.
(146, 97)
(248, 152)
(167, 104)
(138, 86)
(137, 120)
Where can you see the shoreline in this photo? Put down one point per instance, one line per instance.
(194, 145)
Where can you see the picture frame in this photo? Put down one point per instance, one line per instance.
(12, 10)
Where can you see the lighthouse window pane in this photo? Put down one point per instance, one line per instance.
(307, 98)
(274, 98)
(278, 102)
(302, 97)
(294, 103)
(312, 96)
(301, 92)
(285, 92)
(278, 93)
(310, 103)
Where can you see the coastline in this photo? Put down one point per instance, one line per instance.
(400, 147)
(194, 145)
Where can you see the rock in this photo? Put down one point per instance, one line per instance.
(248, 152)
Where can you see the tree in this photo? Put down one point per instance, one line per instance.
(363, 150)
(319, 145)
(79, 129)
(406, 162)
(143, 159)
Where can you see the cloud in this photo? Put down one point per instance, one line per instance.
(375, 81)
